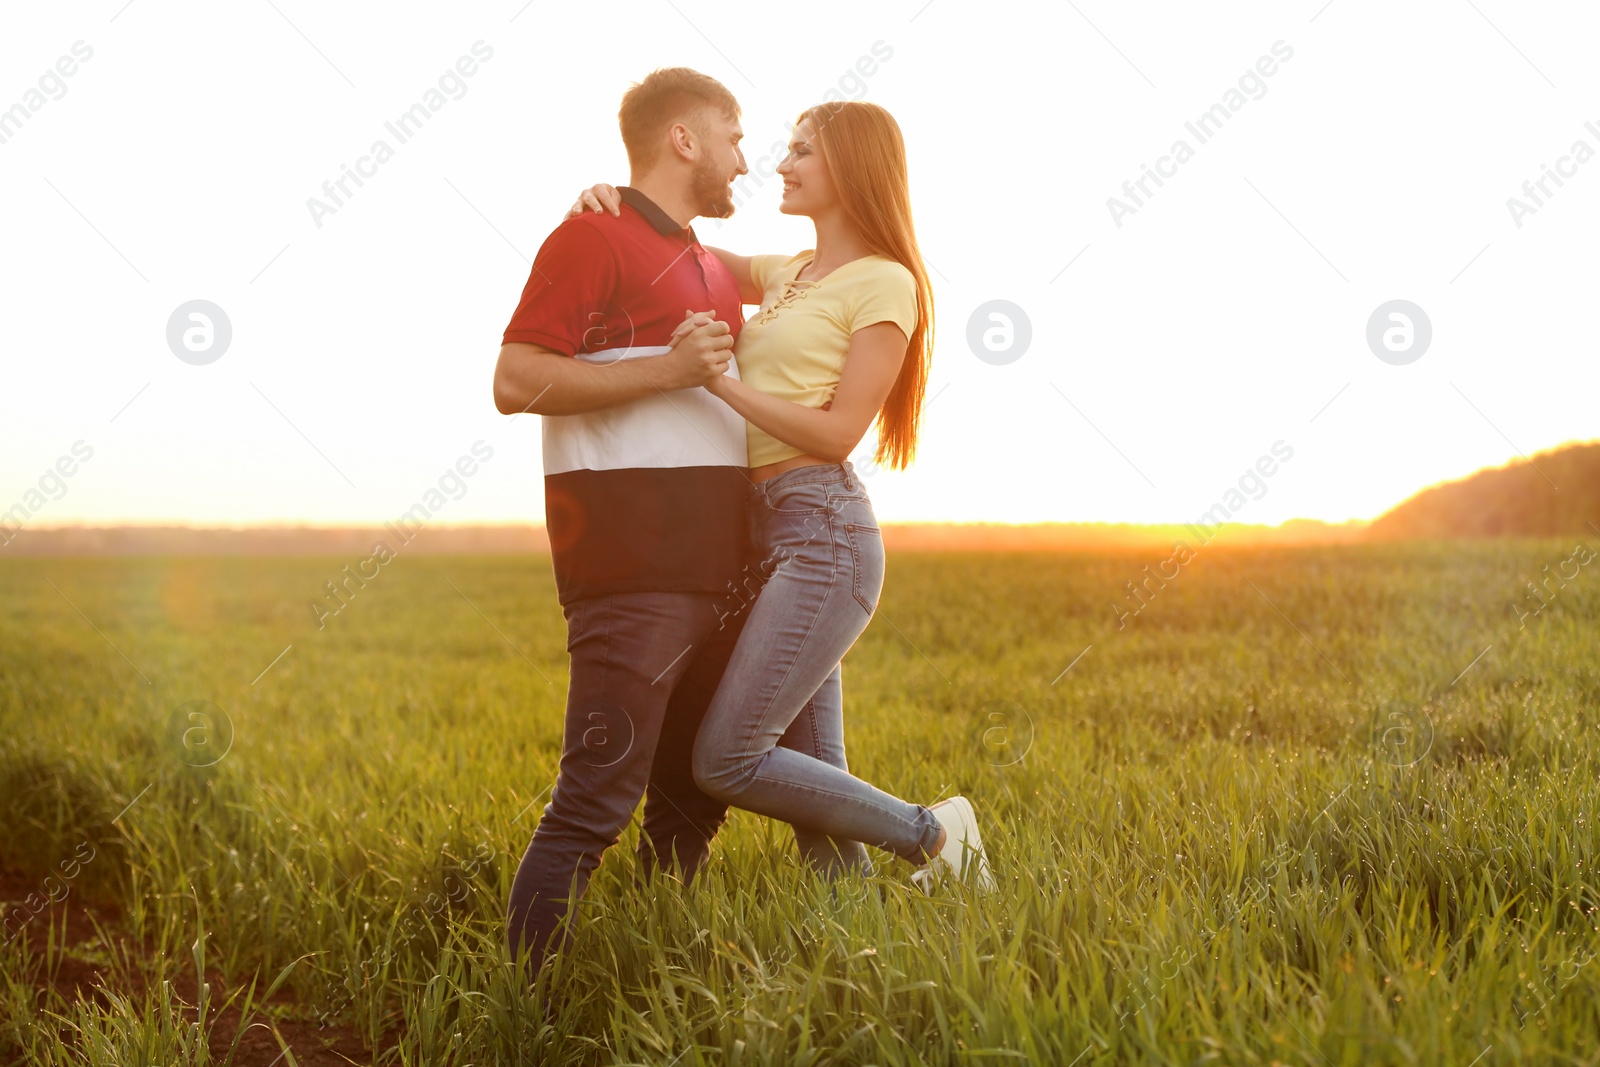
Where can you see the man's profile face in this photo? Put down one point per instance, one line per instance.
(720, 161)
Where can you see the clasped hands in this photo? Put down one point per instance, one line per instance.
(711, 341)
(701, 347)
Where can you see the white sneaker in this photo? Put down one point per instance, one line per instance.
(962, 855)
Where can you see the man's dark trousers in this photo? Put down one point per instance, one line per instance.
(644, 669)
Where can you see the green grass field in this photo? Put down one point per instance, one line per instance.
(1309, 806)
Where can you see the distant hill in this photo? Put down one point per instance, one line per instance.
(1551, 494)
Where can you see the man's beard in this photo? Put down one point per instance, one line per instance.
(713, 194)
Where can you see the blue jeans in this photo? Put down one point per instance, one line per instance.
(772, 740)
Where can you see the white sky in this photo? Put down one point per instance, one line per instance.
(1173, 352)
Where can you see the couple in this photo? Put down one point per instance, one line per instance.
(715, 553)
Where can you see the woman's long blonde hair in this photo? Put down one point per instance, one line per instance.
(866, 156)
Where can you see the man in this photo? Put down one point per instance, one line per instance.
(644, 488)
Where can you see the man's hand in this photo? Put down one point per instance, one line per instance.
(596, 198)
(692, 319)
(700, 350)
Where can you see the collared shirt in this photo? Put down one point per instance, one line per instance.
(645, 496)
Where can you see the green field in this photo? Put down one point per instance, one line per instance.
(1309, 806)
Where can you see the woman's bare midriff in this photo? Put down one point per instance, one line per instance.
(769, 470)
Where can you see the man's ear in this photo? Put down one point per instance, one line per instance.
(682, 142)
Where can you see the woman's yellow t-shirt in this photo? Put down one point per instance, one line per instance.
(794, 347)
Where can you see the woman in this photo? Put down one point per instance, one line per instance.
(843, 338)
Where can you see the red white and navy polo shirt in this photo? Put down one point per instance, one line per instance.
(646, 496)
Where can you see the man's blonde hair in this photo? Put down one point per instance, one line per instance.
(665, 97)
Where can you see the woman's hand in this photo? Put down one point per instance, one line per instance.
(692, 320)
(600, 197)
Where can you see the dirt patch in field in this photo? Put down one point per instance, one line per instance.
(25, 910)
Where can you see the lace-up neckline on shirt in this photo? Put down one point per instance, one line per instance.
(792, 291)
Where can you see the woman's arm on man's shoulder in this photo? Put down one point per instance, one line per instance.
(739, 267)
(602, 197)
